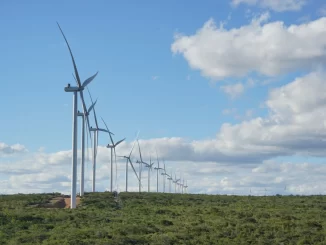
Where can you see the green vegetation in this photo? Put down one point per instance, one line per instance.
(151, 218)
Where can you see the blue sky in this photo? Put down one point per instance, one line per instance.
(142, 84)
(128, 43)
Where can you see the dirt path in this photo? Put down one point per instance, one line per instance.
(67, 201)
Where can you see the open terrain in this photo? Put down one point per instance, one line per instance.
(156, 218)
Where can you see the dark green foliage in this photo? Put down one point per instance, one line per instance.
(156, 218)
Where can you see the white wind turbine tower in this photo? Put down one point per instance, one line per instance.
(157, 170)
(95, 130)
(170, 179)
(82, 164)
(129, 161)
(164, 174)
(140, 166)
(179, 187)
(175, 181)
(150, 168)
(186, 186)
(80, 87)
(182, 185)
(112, 147)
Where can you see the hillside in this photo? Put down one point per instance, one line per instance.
(156, 218)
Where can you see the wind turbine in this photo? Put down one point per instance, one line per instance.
(157, 170)
(129, 161)
(112, 146)
(164, 173)
(140, 166)
(186, 186)
(150, 168)
(95, 130)
(175, 181)
(80, 87)
(82, 164)
(182, 185)
(170, 179)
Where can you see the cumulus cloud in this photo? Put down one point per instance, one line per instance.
(296, 123)
(276, 5)
(233, 90)
(11, 149)
(267, 48)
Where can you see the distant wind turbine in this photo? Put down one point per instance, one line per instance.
(175, 181)
(82, 164)
(186, 186)
(170, 179)
(129, 161)
(182, 185)
(150, 168)
(140, 166)
(164, 174)
(112, 147)
(95, 130)
(157, 170)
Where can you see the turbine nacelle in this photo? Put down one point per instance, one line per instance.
(73, 89)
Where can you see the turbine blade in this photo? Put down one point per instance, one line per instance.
(108, 131)
(88, 80)
(85, 113)
(158, 162)
(72, 57)
(83, 101)
(95, 117)
(88, 127)
(134, 143)
(91, 107)
(132, 147)
(117, 143)
(104, 130)
(137, 134)
(141, 159)
(133, 168)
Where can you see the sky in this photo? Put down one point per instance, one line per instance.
(231, 93)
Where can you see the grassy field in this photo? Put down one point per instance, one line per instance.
(156, 218)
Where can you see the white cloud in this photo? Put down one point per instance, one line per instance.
(276, 5)
(233, 90)
(266, 48)
(296, 122)
(11, 149)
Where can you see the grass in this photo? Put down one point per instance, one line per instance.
(156, 218)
